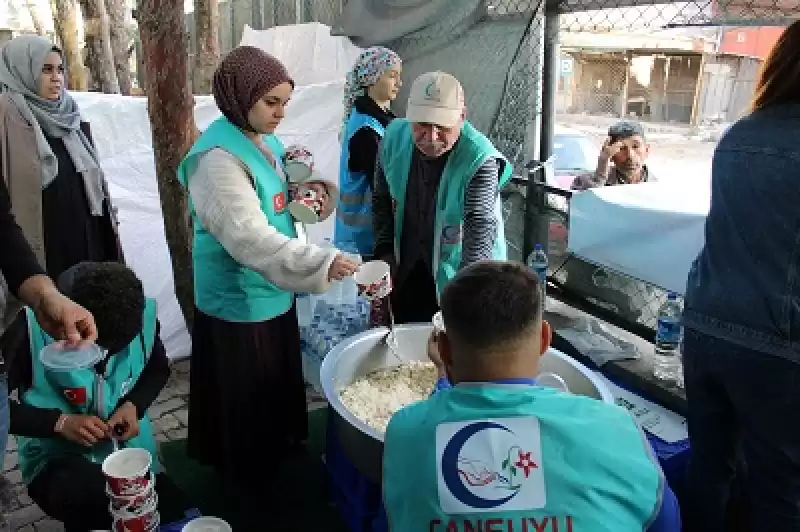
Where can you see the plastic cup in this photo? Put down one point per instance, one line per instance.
(374, 280)
(438, 322)
(133, 504)
(57, 357)
(127, 471)
(147, 522)
(207, 524)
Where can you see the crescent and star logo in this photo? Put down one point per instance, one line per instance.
(490, 465)
(432, 92)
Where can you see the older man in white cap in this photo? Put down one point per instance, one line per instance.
(436, 203)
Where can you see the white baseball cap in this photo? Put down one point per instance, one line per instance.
(435, 98)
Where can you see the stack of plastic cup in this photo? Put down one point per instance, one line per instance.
(130, 485)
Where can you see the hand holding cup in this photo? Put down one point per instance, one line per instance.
(341, 267)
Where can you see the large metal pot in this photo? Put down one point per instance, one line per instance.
(367, 352)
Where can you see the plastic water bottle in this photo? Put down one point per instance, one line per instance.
(349, 292)
(304, 314)
(669, 333)
(537, 261)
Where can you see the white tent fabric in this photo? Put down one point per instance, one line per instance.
(651, 231)
(309, 52)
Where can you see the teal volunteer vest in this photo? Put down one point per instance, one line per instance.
(354, 211)
(85, 392)
(516, 458)
(223, 288)
(469, 153)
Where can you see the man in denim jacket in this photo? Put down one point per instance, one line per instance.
(742, 313)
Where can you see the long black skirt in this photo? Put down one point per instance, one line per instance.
(247, 403)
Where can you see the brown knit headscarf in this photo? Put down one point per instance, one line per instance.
(245, 75)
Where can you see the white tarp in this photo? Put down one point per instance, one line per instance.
(121, 131)
(651, 231)
(310, 53)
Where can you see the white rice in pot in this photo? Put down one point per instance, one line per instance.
(375, 397)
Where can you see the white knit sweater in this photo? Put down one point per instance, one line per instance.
(227, 205)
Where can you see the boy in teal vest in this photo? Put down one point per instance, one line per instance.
(64, 420)
(495, 451)
(436, 206)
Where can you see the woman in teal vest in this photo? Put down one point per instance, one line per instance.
(371, 86)
(247, 405)
(64, 419)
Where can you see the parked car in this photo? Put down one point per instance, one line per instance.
(575, 154)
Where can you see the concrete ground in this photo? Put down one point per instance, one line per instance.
(169, 414)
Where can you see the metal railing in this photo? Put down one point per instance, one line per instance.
(628, 303)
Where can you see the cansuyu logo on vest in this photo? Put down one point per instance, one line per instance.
(490, 465)
(493, 466)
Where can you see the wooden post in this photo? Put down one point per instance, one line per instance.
(698, 89)
(625, 88)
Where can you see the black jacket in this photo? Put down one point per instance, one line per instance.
(363, 146)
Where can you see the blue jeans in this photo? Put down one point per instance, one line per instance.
(743, 405)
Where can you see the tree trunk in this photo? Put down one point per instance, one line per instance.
(65, 18)
(170, 106)
(206, 23)
(38, 25)
(99, 57)
(120, 43)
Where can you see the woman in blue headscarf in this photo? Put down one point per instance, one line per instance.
(371, 85)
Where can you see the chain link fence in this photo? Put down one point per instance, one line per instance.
(658, 62)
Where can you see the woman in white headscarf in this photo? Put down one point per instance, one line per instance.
(57, 188)
(371, 86)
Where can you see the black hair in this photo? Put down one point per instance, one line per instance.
(489, 303)
(625, 129)
(114, 296)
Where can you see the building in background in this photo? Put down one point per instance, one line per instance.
(749, 41)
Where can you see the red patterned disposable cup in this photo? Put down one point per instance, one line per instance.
(146, 521)
(374, 280)
(127, 471)
(133, 503)
(298, 163)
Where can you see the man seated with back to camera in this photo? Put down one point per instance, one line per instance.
(63, 435)
(497, 452)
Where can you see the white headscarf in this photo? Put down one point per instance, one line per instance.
(368, 69)
(21, 63)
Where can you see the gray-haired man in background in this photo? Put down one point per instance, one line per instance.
(627, 148)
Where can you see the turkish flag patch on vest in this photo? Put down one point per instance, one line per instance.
(75, 396)
(279, 202)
